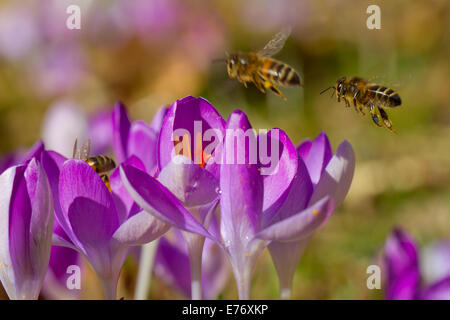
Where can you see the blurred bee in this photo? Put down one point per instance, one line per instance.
(262, 70)
(101, 164)
(362, 94)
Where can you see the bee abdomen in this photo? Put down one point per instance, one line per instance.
(281, 73)
(101, 163)
(384, 95)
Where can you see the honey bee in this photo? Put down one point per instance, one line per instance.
(101, 164)
(362, 94)
(262, 70)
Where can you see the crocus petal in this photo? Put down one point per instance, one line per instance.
(337, 176)
(41, 224)
(438, 291)
(241, 186)
(142, 142)
(190, 183)
(277, 180)
(7, 274)
(401, 260)
(300, 192)
(404, 287)
(285, 257)
(215, 267)
(303, 148)
(141, 228)
(319, 154)
(167, 261)
(300, 225)
(173, 253)
(26, 224)
(52, 162)
(158, 118)
(19, 226)
(193, 116)
(122, 199)
(35, 151)
(121, 129)
(79, 180)
(91, 224)
(54, 286)
(154, 198)
(10, 159)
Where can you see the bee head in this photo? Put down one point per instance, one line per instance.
(339, 83)
(233, 63)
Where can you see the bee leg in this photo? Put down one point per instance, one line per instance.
(386, 121)
(373, 113)
(355, 102)
(245, 84)
(258, 83)
(347, 104)
(269, 85)
(105, 179)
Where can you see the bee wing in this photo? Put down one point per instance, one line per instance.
(85, 148)
(75, 149)
(276, 44)
(83, 152)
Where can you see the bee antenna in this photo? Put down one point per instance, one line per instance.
(323, 91)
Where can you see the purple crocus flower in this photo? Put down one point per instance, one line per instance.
(26, 223)
(98, 224)
(320, 174)
(277, 209)
(186, 172)
(408, 275)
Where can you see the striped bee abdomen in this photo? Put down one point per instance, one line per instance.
(384, 95)
(101, 164)
(280, 73)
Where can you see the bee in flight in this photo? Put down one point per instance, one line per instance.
(362, 94)
(101, 164)
(262, 70)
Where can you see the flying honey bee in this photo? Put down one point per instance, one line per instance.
(262, 70)
(362, 94)
(101, 164)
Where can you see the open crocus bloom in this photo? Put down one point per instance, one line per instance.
(412, 277)
(280, 208)
(320, 175)
(26, 224)
(98, 224)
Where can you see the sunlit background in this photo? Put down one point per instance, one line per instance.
(148, 53)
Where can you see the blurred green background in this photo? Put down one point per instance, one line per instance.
(152, 55)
